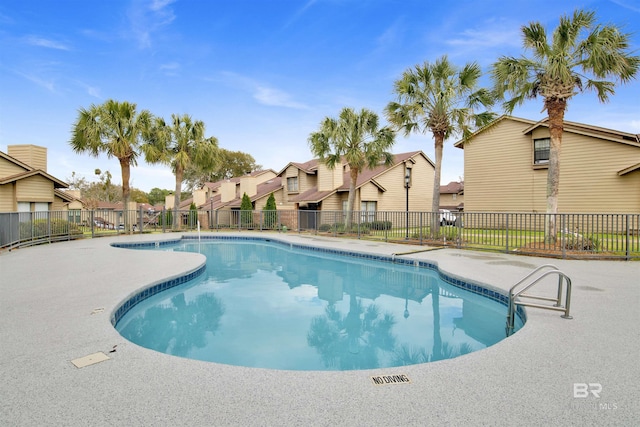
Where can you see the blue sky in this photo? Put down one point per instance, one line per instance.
(260, 74)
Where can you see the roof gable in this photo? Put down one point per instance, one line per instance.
(15, 161)
(215, 185)
(369, 175)
(309, 167)
(460, 143)
(589, 130)
(569, 127)
(453, 187)
(366, 176)
(56, 182)
(263, 189)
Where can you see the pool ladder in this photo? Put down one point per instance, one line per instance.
(527, 282)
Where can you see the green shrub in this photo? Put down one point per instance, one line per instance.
(340, 227)
(166, 219)
(44, 227)
(193, 215)
(324, 227)
(578, 242)
(364, 228)
(378, 225)
(449, 233)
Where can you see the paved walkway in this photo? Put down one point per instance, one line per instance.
(55, 303)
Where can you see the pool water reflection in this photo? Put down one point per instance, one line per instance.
(266, 305)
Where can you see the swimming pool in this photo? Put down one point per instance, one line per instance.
(268, 304)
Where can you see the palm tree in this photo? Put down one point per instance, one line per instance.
(181, 145)
(354, 137)
(580, 56)
(114, 128)
(443, 99)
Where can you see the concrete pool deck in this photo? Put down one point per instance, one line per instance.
(56, 301)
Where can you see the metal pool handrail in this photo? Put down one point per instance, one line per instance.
(513, 294)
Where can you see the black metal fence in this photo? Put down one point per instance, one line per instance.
(614, 236)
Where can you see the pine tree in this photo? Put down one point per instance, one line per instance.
(270, 213)
(246, 211)
(193, 215)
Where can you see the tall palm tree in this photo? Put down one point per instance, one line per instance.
(581, 55)
(354, 137)
(114, 128)
(180, 145)
(443, 99)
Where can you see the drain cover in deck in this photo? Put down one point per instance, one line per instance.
(91, 359)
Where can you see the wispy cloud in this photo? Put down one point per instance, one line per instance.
(628, 4)
(484, 41)
(148, 18)
(170, 69)
(5, 19)
(42, 42)
(299, 13)
(492, 35)
(91, 90)
(47, 84)
(390, 37)
(93, 34)
(263, 93)
(157, 5)
(275, 97)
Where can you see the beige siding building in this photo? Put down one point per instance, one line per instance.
(505, 168)
(25, 185)
(378, 189)
(311, 186)
(452, 196)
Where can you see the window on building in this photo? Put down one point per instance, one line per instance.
(368, 211)
(40, 206)
(455, 196)
(292, 184)
(541, 149)
(74, 215)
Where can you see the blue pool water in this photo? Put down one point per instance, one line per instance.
(269, 305)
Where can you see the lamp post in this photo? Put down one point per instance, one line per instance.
(407, 184)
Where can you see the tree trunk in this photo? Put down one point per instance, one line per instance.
(555, 109)
(435, 204)
(125, 166)
(176, 195)
(353, 174)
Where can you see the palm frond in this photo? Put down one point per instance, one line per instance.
(534, 37)
(602, 88)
